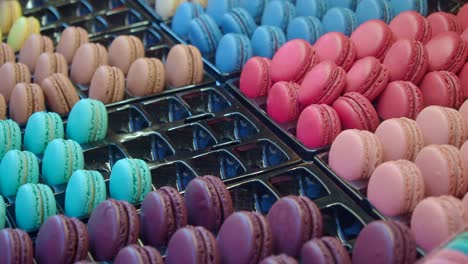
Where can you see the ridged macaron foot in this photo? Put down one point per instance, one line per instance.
(278, 14)
(372, 38)
(2, 213)
(411, 25)
(266, 40)
(138, 255)
(21, 29)
(339, 19)
(408, 95)
(33, 47)
(87, 121)
(336, 47)
(463, 75)
(88, 57)
(61, 240)
(11, 136)
(184, 66)
(107, 85)
(323, 250)
(26, 99)
(60, 93)
(420, 6)
(447, 52)
(208, 202)
(10, 11)
(124, 50)
(85, 191)
(442, 88)
(17, 168)
(147, 76)
(12, 73)
(204, 34)
(282, 102)
(42, 128)
(279, 259)
(6, 54)
(130, 180)
(308, 28)
(15, 244)
(61, 159)
(442, 22)
(233, 52)
(35, 203)
(49, 63)
(238, 20)
(162, 213)
(182, 17)
(70, 40)
(254, 230)
(255, 78)
(356, 112)
(374, 9)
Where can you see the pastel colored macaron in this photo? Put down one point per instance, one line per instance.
(166, 9)
(356, 112)
(255, 77)
(35, 203)
(420, 6)
(42, 128)
(367, 154)
(443, 22)
(238, 20)
(12, 138)
(146, 76)
(253, 229)
(321, 250)
(130, 180)
(124, 50)
(233, 52)
(278, 13)
(10, 11)
(308, 28)
(88, 57)
(447, 52)
(138, 254)
(255, 8)
(411, 25)
(22, 28)
(61, 159)
(70, 40)
(372, 38)
(61, 239)
(15, 243)
(184, 66)
(442, 88)
(32, 48)
(107, 84)
(462, 15)
(6, 54)
(26, 99)
(85, 191)
(408, 95)
(17, 168)
(368, 77)
(217, 9)
(266, 40)
(374, 9)
(49, 63)
(282, 102)
(339, 19)
(182, 17)
(276, 259)
(336, 47)
(205, 34)
(60, 93)
(314, 8)
(12, 73)
(87, 121)
(463, 75)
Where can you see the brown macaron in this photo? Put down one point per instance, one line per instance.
(72, 38)
(25, 100)
(184, 66)
(124, 50)
(32, 48)
(3, 107)
(107, 85)
(49, 63)
(10, 74)
(145, 77)
(6, 54)
(86, 61)
(60, 93)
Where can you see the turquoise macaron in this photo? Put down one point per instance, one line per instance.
(42, 128)
(266, 40)
(61, 158)
(459, 243)
(85, 190)
(2, 213)
(87, 121)
(130, 180)
(16, 169)
(234, 50)
(339, 19)
(10, 136)
(35, 203)
(279, 14)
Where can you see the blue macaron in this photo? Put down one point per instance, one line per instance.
(130, 180)
(182, 17)
(351, 4)
(85, 190)
(266, 40)
(16, 169)
(2, 213)
(34, 204)
(238, 20)
(217, 8)
(10, 136)
(308, 28)
(87, 121)
(254, 7)
(374, 9)
(420, 6)
(339, 19)
(42, 128)
(278, 13)
(233, 52)
(204, 34)
(316, 8)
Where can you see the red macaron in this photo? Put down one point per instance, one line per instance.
(337, 47)
(442, 22)
(442, 88)
(447, 52)
(411, 25)
(408, 96)
(255, 78)
(372, 38)
(356, 112)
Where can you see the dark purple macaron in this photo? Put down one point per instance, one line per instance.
(112, 225)
(386, 242)
(294, 220)
(325, 250)
(208, 202)
(15, 247)
(138, 255)
(279, 259)
(61, 240)
(192, 245)
(162, 213)
(245, 237)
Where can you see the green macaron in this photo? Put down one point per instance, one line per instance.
(42, 128)
(130, 180)
(87, 121)
(85, 190)
(34, 204)
(2, 213)
(17, 168)
(10, 136)
(61, 159)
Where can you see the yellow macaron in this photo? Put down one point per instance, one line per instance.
(20, 31)
(10, 11)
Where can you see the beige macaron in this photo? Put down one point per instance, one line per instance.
(32, 48)
(107, 85)
(124, 50)
(6, 54)
(145, 77)
(71, 39)
(86, 61)
(11, 74)
(184, 66)
(60, 93)
(49, 63)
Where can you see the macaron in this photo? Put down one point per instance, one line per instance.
(255, 77)
(408, 95)
(368, 77)
(21, 29)
(138, 255)
(49, 63)
(208, 202)
(462, 15)
(70, 40)
(87, 121)
(34, 204)
(18, 168)
(88, 57)
(162, 213)
(385, 242)
(32, 48)
(146, 76)
(279, 259)
(166, 8)
(356, 112)
(233, 52)
(420, 6)
(253, 229)
(374, 9)
(184, 13)
(61, 159)
(60, 93)
(217, 9)
(442, 22)
(204, 34)
(85, 191)
(194, 245)
(401, 138)
(130, 180)
(26, 99)
(266, 40)
(463, 75)
(3, 107)
(112, 226)
(446, 256)
(239, 21)
(12, 136)
(308, 28)
(372, 38)
(339, 19)
(61, 239)
(367, 154)
(283, 102)
(42, 128)
(12, 73)
(124, 50)
(107, 85)
(447, 52)
(255, 8)
(278, 13)
(15, 244)
(6, 54)
(184, 66)
(442, 88)
(10, 11)
(336, 47)
(293, 221)
(457, 243)
(411, 25)
(322, 250)
(2, 213)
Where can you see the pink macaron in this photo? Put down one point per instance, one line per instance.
(337, 47)
(411, 25)
(442, 88)
(463, 76)
(6, 54)
(255, 78)
(356, 112)
(282, 102)
(372, 38)
(408, 96)
(70, 40)
(464, 35)
(464, 112)
(442, 22)
(463, 15)
(447, 52)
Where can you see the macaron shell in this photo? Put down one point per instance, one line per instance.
(238, 20)
(34, 204)
(308, 28)
(282, 102)
(278, 13)
(85, 191)
(336, 47)
(22, 168)
(138, 254)
(356, 112)
(11, 11)
(442, 88)
(374, 9)
(15, 244)
(447, 52)
(146, 76)
(324, 250)
(61, 159)
(183, 15)
(107, 85)
(462, 16)
(32, 48)
(411, 25)
(48, 64)
(408, 95)
(3, 107)
(40, 130)
(25, 100)
(233, 52)
(204, 34)
(443, 22)
(13, 139)
(87, 121)
(318, 126)
(463, 75)
(60, 93)
(124, 50)
(11, 74)
(85, 62)
(70, 40)
(6, 54)
(255, 77)
(184, 66)
(266, 40)
(22, 28)
(130, 180)
(372, 38)
(338, 19)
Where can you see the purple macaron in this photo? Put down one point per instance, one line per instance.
(15, 246)
(138, 255)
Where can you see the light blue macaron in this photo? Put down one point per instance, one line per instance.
(339, 19)
(85, 190)
(204, 34)
(254, 7)
(266, 40)
(61, 159)
(42, 128)
(2, 213)
(10, 136)
(87, 121)
(278, 13)
(420, 6)
(316, 8)
(130, 180)
(233, 52)
(351, 4)
(374, 9)
(182, 17)
(308, 28)
(34, 204)
(16, 169)
(238, 20)
(217, 8)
